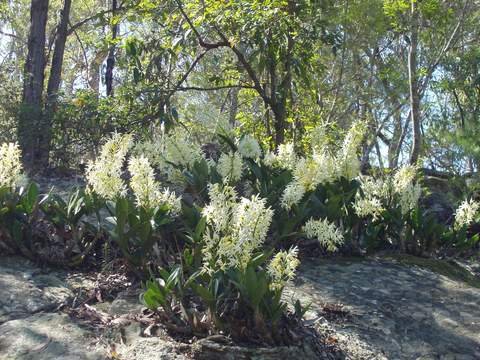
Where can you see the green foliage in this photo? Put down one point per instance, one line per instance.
(19, 213)
(195, 226)
(385, 232)
(198, 178)
(237, 295)
(33, 223)
(160, 292)
(332, 200)
(136, 229)
(461, 239)
(72, 220)
(268, 183)
(255, 288)
(81, 124)
(424, 233)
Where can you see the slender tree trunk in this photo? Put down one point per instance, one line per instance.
(379, 155)
(55, 79)
(29, 126)
(278, 105)
(279, 116)
(394, 100)
(281, 102)
(398, 148)
(233, 106)
(111, 53)
(94, 71)
(395, 141)
(365, 113)
(414, 86)
(58, 53)
(280, 92)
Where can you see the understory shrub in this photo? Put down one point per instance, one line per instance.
(43, 226)
(238, 284)
(215, 230)
(139, 211)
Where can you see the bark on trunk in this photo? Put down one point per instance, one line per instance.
(30, 129)
(414, 86)
(395, 141)
(394, 100)
(94, 71)
(58, 53)
(278, 104)
(111, 53)
(279, 118)
(233, 106)
(281, 94)
(55, 79)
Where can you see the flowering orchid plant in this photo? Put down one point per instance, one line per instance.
(237, 280)
(232, 254)
(138, 210)
(466, 215)
(317, 188)
(19, 201)
(38, 224)
(389, 207)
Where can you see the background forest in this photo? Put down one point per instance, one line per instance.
(77, 70)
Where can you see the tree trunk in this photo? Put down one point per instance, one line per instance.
(55, 79)
(281, 95)
(395, 141)
(58, 53)
(111, 53)
(393, 96)
(414, 86)
(94, 71)
(398, 148)
(233, 106)
(30, 129)
(279, 116)
(278, 104)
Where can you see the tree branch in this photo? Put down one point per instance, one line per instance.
(13, 36)
(213, 88)
(445, 48)
(84, 53)
(201, 41)
(460, 108)
(226, 43)
(79, 24)
(248, 68)
(185, 76)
